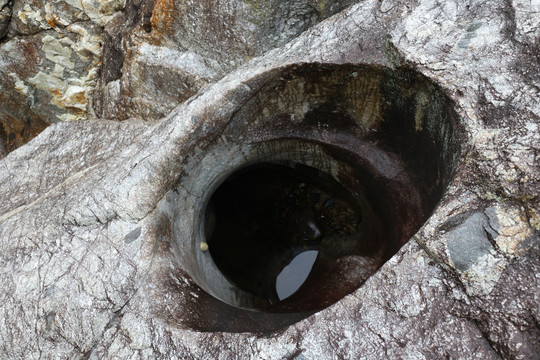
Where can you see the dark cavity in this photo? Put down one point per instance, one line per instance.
(271, 228)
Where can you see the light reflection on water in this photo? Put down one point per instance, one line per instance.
(295, 274)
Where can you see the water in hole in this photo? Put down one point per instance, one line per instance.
(295, 274)
(266, 223)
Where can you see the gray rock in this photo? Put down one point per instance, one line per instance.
(156, 44)
(97, 226)
(5, 17)
(469, 240)
(49, 64)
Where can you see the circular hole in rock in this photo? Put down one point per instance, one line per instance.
(319, 178)
(268, 226)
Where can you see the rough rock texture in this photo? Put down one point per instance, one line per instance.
(5, 17)
(178, 47)
(88, 265)
(151, 56)
(49, 62)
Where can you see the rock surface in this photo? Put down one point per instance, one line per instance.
(49, 63)
(5, 17)
(151, 55)
(88, 262)
(177, 48)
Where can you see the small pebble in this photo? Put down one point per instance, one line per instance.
(203, 246)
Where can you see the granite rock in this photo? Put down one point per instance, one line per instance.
(49, 63)
(5, 17)
(90, 263)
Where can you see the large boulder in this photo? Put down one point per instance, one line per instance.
(103, 255)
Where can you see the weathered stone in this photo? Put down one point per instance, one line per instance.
(91, 261)
(238, 30)
(49, 64)
(5, 17)
(206, 39)
(85, 154)
(32, 16)
(46, 78)
(156, 80)
(139, 44)
(469, 240)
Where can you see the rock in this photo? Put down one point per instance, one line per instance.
(157, 80)
(5, 17)
(97, 224)
(150, 45)
(206, 42)
(46, 78)
(49, 64)
(239, 30)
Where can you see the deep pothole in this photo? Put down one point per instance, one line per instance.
(313, 184)
(276, 230)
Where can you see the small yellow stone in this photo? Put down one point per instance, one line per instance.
(203, 246)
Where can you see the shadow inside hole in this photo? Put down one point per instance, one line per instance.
(268, 225)
(390, 140)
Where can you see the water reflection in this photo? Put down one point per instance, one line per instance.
(291, 278)
(266, 224)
